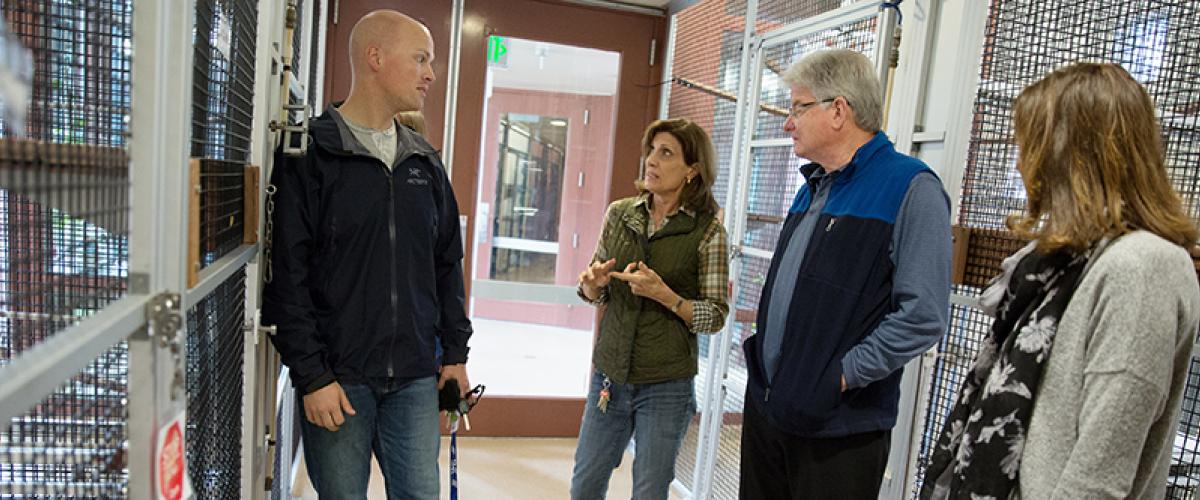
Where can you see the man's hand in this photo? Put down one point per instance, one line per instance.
(458, 372)
(324, 407)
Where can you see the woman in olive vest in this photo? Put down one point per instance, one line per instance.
(672, 252)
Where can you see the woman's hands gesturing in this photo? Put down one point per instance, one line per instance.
(596, 277)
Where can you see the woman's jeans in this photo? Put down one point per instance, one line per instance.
(655, 415)
(398, 421)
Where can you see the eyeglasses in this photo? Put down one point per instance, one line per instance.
(800, 108)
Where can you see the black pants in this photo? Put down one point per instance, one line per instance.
(779, 466)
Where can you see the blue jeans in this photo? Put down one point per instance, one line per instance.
(396, 420)
(655, 415)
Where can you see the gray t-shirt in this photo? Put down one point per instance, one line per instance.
(381, 143)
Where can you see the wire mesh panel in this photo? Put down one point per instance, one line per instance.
(63, 247)
(81, 66)
(985, 250)
(214, 386)
(64, 210)
(704, 85)
(297, 39)
(956, 352)
(222, 116)
(705, 74)
(223, 80)
(1158, 42)
(314, 56)
(774, 14)
(774, 180)
(1183, 478)
(222, 204)
(73, 443)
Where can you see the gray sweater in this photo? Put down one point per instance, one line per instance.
(1106, 412)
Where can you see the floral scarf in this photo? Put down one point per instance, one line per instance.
(979, 452)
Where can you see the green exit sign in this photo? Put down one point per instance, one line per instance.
(497, 54)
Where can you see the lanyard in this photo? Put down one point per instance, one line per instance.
(454, 461)
(456, 408)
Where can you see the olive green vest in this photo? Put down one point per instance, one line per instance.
(642, 341)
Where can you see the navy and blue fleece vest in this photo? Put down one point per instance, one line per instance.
(842, 292)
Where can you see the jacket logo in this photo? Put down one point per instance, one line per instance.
(416, 177)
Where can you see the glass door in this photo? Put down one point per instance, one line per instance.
(548, 124)
(528, 197)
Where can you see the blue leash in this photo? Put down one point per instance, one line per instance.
(457, 408)
(454, 463)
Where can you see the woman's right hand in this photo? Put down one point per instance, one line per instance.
(596, 277)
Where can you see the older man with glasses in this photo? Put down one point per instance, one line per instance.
(858, 286)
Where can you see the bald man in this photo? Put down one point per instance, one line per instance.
(367, 289)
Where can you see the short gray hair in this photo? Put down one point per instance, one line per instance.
(841, 72)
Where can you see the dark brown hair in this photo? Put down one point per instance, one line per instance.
(1092, 161)
(697, 153)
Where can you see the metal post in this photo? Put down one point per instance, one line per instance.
(971, 25)
(456, 33)
(971, 21)
(160, 115)
(713, 414)
(912, 73)
(664, 99)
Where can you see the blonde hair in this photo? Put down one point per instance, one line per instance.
(412, 119)
(1091, 159)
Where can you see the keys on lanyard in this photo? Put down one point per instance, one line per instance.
(605, 395)
(456, 407)
(453, 420)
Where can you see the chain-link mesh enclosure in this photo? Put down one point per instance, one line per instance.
(64, 225)
(222, 115)
(222, 206)
(703, 88)
(314, 58)
(986, 249)
(214, 386)
(1158, 42)
(223, 80)
(298, 40)
(73, 443)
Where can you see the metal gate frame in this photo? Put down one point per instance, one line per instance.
(150, 316)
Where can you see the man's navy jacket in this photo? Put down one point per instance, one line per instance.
(366, 261)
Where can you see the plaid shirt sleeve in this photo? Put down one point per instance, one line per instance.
(709, 311)
(600, 255)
